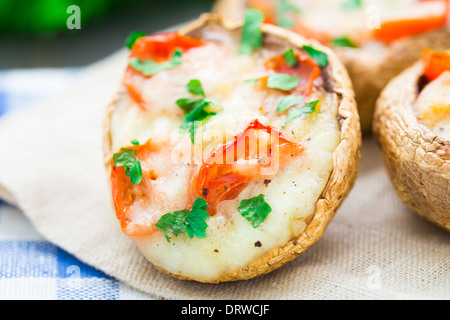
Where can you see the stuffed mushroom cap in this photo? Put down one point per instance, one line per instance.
(417, 156)
(230, 250)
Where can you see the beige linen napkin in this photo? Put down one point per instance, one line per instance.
(51, 167)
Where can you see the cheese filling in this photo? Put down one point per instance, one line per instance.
(433, 106)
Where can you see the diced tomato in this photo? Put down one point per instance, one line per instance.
(398, 29)
(307, 69)
(158, 48)
(435, 63)
(125, 194)
(249, 156)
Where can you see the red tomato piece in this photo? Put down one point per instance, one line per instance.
(435, 63)
(229, 168)
(158, 48)
(307, 69)
(398, 29)
(125, 194)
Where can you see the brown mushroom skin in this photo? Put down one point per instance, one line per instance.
(346, 156)
(369, 71)
(418, 161)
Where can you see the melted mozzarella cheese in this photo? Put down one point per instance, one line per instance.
(231, 241)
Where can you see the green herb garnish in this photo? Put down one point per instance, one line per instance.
(343, 42)
(195, 87)
(132, 37)
(198, 109)
(310, 107)
(149, 67)
(289, 101)
(251, 31)
(190, 221)
(193, 119)
(189, 104)
(283, 9)
(290, 58)
(126, 158)
(320, 57)
(352, 4)
(283, 81)
(255, 210)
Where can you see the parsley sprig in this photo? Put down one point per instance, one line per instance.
(308, 108)
(150, 67)
(290, 58)
(132, 37)
(251, 31)
(282, 81)
(320, 57)
(284, 8)
(187, 221)
(127, 158)
(352, 4)
(255, 210)
(289, 101)
(343, 42)
(198, 110)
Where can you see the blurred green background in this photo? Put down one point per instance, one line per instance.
(33, 33)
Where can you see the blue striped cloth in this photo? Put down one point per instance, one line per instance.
(30, 266)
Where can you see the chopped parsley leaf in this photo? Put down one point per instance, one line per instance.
(189, 104)
(126, 158)
(289, 101)
(190, 221)
(343, 42)
(149, 67)
(193, 119)
(320, 57)
(282, 81)
(255, 210)
(310, 107)
(251, 31)
(198, 110)
(283, 9)
(290, 58)
(352, 4)
(195, 87)
(132, 37)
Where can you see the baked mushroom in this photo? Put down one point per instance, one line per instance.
(229, 148)
(412, 126)
(375, 39)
